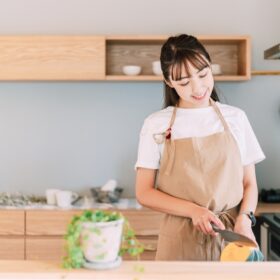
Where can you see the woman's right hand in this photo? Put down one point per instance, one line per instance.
(202, 219)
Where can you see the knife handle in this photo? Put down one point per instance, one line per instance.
(215, 228)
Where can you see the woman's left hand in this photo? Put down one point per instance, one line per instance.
(243, 225)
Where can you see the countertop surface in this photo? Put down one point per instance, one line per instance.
(88, 203)
(263, 207)
(124, 204)
(141, 270)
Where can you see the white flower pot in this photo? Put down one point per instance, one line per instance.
(101, 241)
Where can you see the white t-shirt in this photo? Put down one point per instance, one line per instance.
(197, 122)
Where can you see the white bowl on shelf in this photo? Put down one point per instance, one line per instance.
(131, 70)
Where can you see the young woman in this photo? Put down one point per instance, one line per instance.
(196, 159)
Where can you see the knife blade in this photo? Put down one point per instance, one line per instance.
(237, 238)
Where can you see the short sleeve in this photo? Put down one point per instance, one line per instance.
(148, 149)
(252, 152)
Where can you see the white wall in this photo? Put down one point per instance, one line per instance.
(77, 135)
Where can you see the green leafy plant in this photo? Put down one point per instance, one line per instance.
(75, 257)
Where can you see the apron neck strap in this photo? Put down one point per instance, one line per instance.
(213, 103)
(172, 120)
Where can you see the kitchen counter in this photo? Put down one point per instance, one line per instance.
(142, 270)
(27, 234)
(125, 203)
(89, 203)
(267, 208)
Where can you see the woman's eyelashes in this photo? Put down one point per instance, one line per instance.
(184, 84)
(203, 75)
(200, 76)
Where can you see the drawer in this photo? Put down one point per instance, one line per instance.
(12, 248)
(48, 222)
(12, 222)
(149, 254)
(45, 248)
(53, 248)
(54, 222)
(144, 222)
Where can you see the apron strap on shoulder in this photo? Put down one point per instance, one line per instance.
(172, 120)
(212, 102)
(171, 155)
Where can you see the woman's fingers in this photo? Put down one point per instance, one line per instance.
(208, 227)
(202, 228)
(205, 224)
(202, 220)
(214, 219)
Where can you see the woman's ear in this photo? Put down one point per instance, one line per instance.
(168, 83)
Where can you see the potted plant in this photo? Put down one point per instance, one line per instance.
(98, 239)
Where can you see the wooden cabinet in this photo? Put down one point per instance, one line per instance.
(52, 58)
(12, 234)
(38, 234)
(86, 58)
(45, 230)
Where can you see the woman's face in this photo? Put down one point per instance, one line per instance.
(194, 90)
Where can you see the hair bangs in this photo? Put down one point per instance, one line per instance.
(182, 61)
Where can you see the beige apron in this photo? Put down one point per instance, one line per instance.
(204, 170)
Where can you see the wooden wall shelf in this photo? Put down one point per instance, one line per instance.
(265, 72)
(89, 58)
(231, 52)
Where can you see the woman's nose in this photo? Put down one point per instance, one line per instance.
(196, 85)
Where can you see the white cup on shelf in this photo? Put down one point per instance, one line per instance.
(51, 196)
(65, 198)
(157, 67)
(216, 69)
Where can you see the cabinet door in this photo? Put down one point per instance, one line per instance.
(144, 222)
(53, 248)
(52, 58)
(45, 248)
(48, 222)
(11, 248)
(11, 222)
(54, 222)
(150, 245)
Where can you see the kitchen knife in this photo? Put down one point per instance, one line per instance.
(237, 238)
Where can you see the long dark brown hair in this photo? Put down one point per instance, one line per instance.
(175, 53)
